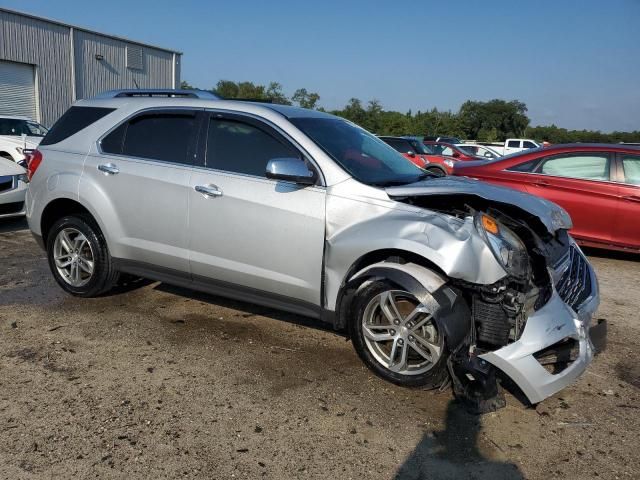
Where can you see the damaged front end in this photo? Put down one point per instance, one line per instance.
(532, 325)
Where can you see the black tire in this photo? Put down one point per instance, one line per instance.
(104, 276)
(436, 171)
(431, 379)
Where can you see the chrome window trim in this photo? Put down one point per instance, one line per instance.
(98, 144)
(196, 110)
(255, 178)
(542, 159)
(275, 127)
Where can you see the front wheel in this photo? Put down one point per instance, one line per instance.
(437, 171)
(79, 258)
(397, 337)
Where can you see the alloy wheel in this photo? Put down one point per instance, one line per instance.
(73, 257)
(401, 333)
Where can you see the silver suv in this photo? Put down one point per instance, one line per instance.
(432, 278)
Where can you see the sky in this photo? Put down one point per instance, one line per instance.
(575, 63)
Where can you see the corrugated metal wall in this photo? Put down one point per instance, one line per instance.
(45, 45)
(95, 76)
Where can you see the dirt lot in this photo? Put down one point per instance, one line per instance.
(160, 382)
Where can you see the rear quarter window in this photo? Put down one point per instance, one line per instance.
(74, 120)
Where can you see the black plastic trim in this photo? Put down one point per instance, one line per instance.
(218, 287)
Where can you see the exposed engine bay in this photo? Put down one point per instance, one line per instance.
(499, 312)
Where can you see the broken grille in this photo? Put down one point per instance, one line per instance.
(574, 287)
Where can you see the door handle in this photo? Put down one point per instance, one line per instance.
(632, 198)
(209, 190)
(541, 183)
(108, 168)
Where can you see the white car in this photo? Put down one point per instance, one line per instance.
(479, 150)
(13, 188)
(18, 134)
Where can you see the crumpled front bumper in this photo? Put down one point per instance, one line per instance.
(551, 324)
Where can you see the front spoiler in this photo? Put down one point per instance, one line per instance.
(549, 325)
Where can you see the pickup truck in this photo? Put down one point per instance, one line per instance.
(511, 145)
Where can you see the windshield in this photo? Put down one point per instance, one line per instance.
(365, 157)
(16, 127)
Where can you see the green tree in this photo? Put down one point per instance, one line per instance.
(276, 95)
(305, 99)
(497, 118)
(226, 89)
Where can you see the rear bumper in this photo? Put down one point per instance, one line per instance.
(554, 323)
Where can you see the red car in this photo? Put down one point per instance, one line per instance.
(599, 185)
(450, 154)
(413, 150)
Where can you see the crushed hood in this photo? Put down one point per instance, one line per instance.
(550, 214)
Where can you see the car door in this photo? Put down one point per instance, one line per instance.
(580, 183)
(141, 178)
(257, 234)
(627, 230)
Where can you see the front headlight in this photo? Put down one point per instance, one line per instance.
(506, 246)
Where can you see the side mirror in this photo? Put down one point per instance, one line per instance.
(291, 170)
(411, 154)
(456, 154)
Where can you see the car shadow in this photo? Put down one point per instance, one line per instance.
(455, 453)
(13, 225)
(613, 254)
(249, 309)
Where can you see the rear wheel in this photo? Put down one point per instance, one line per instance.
(79, 258)
(397, 336)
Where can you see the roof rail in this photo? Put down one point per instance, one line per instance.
(157, 92)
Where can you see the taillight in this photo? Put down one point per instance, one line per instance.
(33, 162)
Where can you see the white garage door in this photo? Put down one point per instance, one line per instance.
(17, 89)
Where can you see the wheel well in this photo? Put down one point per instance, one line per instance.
(435, 167)
(56, 210)
(345, 295)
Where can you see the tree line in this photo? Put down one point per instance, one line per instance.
(491, 121)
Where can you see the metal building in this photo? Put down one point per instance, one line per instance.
(46, 65)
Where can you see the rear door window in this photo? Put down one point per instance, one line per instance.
(587, 166)
(526, 144)
(631, 167)
(240, 147)
(163, 136)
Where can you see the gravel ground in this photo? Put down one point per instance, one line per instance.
(159, 382)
